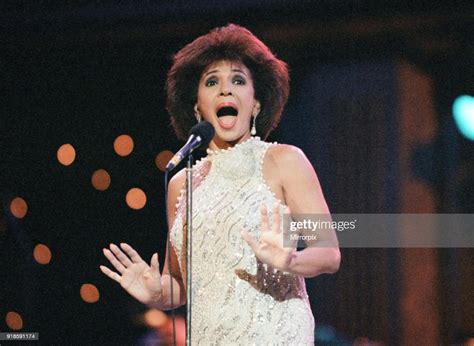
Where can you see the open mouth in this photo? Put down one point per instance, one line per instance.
(226, 111)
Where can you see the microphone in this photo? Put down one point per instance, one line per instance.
(200, 134)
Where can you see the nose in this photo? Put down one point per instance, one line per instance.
(226, 89)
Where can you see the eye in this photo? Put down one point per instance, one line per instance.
(210, 82)
(239, 80)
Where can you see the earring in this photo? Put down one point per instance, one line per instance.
(256, 111)
(253, 131)
(197, 115)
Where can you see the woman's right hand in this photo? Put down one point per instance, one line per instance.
(140, 280)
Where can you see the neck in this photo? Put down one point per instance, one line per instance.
(217, 143)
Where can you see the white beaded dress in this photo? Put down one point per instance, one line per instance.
(235, 298)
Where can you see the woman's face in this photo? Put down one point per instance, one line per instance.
(226, 100)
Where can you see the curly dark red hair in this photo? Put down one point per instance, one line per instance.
(232, 43)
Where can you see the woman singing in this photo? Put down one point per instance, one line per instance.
(247, 286)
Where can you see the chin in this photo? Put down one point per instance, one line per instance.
(232, 138)
(227, 133)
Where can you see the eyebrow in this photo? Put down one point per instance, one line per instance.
(233, 70)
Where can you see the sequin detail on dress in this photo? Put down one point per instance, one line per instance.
(237, 299)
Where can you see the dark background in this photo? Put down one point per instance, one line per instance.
(85, 72)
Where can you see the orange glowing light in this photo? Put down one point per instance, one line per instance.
(66, 154)
(18, 207)
(42, 254)
(136, 198)
(123, 145)
(89, 293)
(101, 180)
(155, 318)
(162, 159)
(14, 320)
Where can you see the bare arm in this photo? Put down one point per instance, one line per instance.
(299, 188)
(179, 293)
(303, 194)
(142, 281)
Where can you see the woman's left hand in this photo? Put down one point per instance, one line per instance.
(269, 248)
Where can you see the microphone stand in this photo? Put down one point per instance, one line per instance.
(189, 243)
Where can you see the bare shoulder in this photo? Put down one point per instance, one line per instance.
(298, 179)
(288, 158)
(177, 181)
(174, 189)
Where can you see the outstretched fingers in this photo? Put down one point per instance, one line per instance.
(276, 218)
(124, 259)
(154, 264)
(134, 256)
(267, 231)
(114, 261)
(253, 243)
(113, 275)
(264, 219)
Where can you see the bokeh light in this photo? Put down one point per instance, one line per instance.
(89, 293)
(100, 180)
(18, 207)
(14, 320)
(162, 159)
(136, 198)
(123, 145)
(42, 254)
(463, 112)
(66, 154)
(154, 318)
